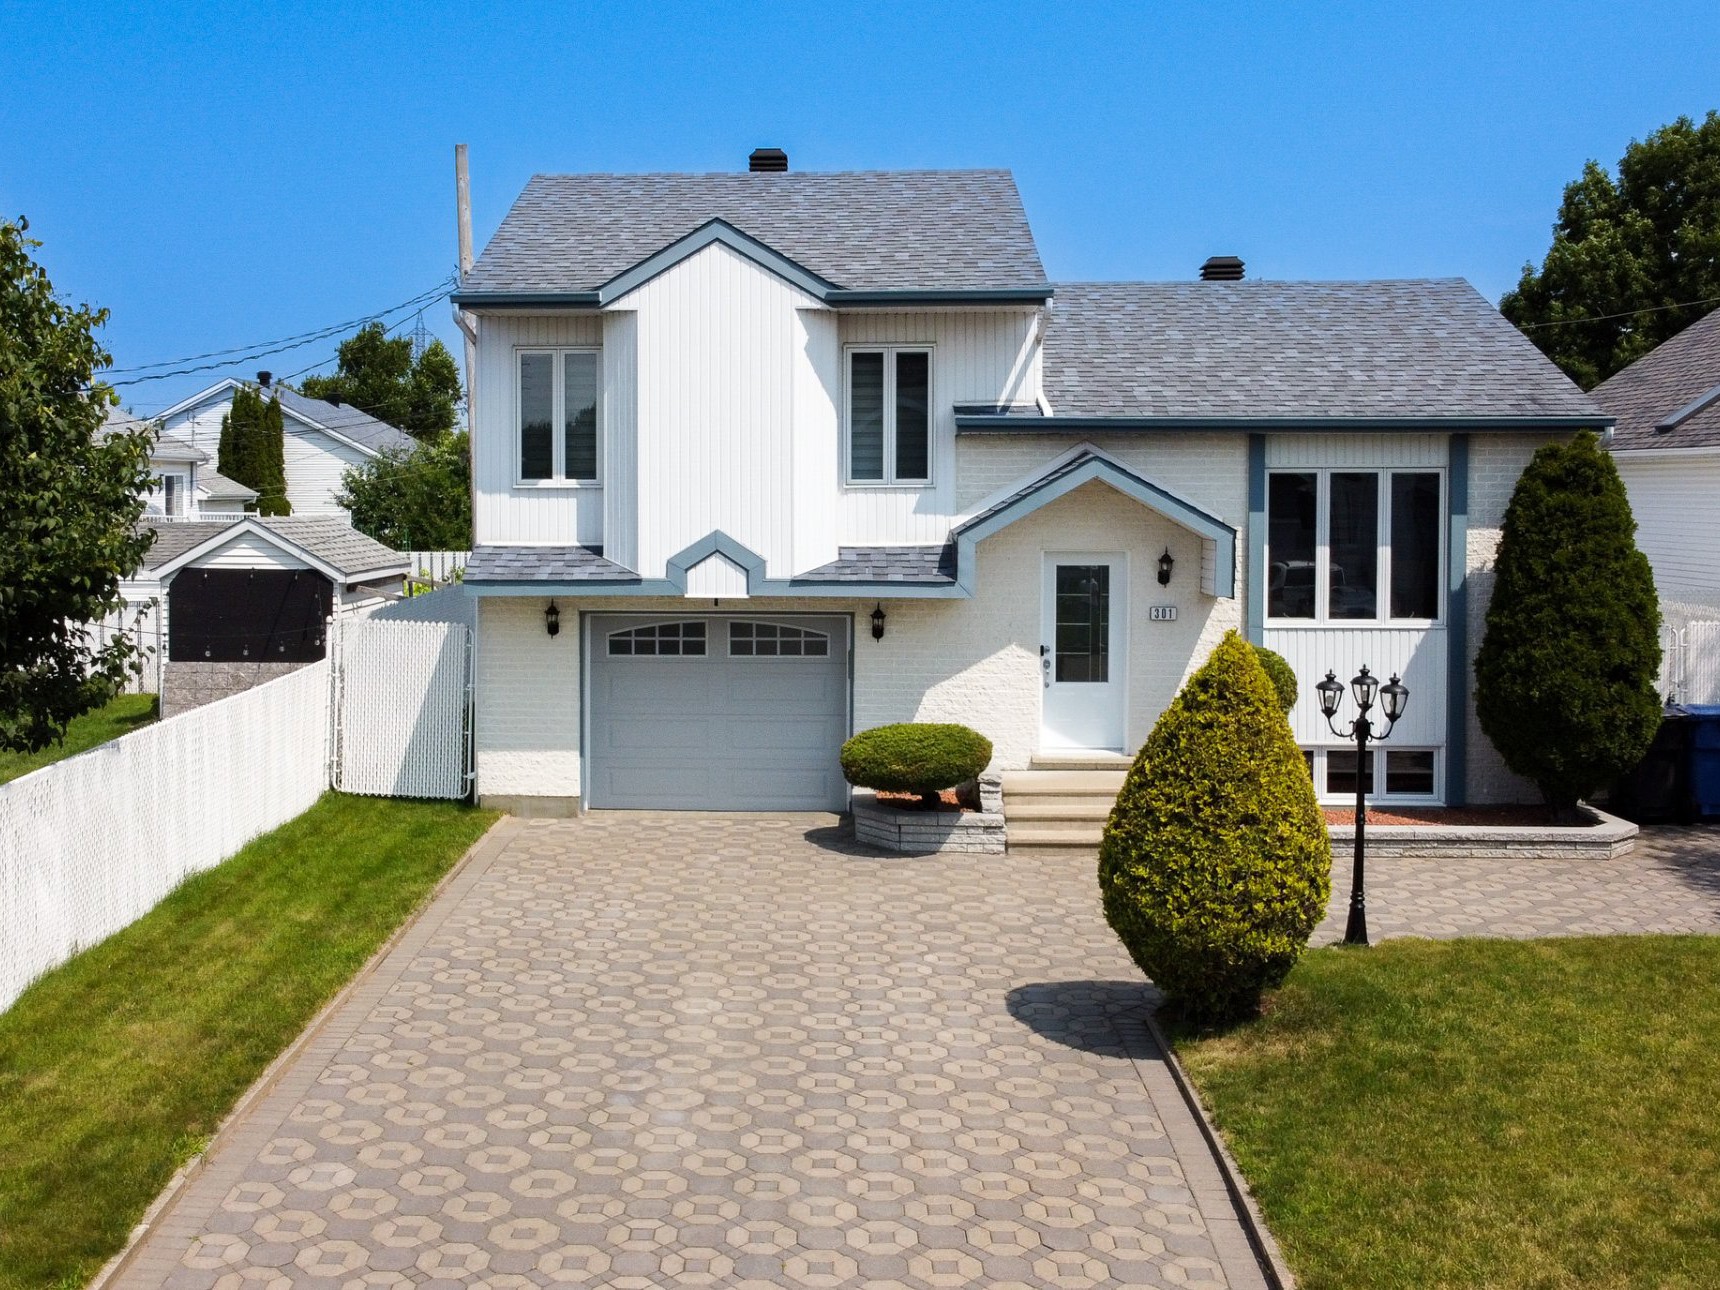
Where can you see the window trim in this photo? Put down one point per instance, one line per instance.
(889, 350)
(1383, 476)
(558, 417)
(805, 634)
(654, 625)
(1379, 796)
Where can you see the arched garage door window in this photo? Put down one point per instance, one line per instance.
(658, 639)
(774, 640)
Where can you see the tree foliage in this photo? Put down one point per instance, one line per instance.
(252, 449)
(379, 375)
(1565, 677)
(1215, 865)
(73, 494)
(417, 499)
(1633, 259)
(1281, 674)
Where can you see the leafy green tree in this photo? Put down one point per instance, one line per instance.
(1565, 677)
(417, 499)
(74, 493)
(1215, 865)
(1634, 260)
(379, 375)
(252, 449)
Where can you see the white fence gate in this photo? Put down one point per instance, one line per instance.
(402, 708)
(1690, 664)
(92, 843)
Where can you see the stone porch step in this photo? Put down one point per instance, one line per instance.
(1061, 783)
(1081, 761)
(1040, 839)
(1070, 809)
(1062, 811)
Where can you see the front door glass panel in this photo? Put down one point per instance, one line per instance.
(1084, 623)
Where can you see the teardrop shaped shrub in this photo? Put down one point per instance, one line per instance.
(915, 757)
(1215, 865)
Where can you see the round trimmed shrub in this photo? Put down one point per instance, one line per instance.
(915, 757)
(1216, 865)
(1279, 673)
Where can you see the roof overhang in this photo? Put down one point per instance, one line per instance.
(254, 527)
(1017, 423)
(717, 232)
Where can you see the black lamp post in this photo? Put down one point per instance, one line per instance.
(1392, 698)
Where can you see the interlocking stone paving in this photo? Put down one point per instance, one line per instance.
(668, 1050)
(1669, 883)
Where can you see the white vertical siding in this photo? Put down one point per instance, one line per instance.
(715, 576)
(817, 438)
(1673, 498)
(717, 337)
(200, 424)
(315, 464)
(533, 515)
(1364, 451)
(619, 535)
(1415, 653)
(987, 357)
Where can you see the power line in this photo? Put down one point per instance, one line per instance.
(1628, 313)
(440, 292)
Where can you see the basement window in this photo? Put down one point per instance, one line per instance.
(889, 416)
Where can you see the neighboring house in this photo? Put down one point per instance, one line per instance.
(763, 459)
(187, 486)
(241, 601)
(1667, 446)
(322, 440)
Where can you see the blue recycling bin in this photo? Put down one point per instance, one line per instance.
(1705, 757)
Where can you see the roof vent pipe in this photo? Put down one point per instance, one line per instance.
(1221, 268)
(263, 379)
(768, 161)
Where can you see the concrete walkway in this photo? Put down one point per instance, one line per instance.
(1669, 883)
(672, 1050)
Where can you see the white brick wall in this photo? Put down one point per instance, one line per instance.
(527, 699)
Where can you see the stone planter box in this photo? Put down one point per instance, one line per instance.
(1606, 839)
(915, 832)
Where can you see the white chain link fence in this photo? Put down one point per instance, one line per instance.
(402, 708)
(90, 844)
(1690, 663)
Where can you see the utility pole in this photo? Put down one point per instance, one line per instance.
(463, 203)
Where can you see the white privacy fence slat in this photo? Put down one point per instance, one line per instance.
(402, 709)
(438, 566)
(92, 843)
(1700, 679)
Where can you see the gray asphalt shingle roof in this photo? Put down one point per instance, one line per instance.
(1663, 382)
(213, 483)
(1414, 348)
(345, 420)
(543, 564)
(332, 541)
(861, 230)
(914, 564)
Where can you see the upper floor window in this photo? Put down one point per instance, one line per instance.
(558, 415)
(889, 416)
(1354, 545)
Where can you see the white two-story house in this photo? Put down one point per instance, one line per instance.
(763, 459)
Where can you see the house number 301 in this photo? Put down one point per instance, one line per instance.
(1162, 613)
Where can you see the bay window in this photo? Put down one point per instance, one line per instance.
(1354, 545)
(889, 416)
(557, 405)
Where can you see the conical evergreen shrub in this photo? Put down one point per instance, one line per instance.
(1565, 677)
(1216, 865)
(271, 448)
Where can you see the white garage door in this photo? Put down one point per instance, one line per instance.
(741, 713)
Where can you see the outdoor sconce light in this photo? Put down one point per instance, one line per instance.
(552, 619)
(1393, 698)
(878, 622)
(1166, 564)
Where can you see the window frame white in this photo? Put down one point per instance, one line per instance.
(558, 478)
(889, 351)
(179, 491)
(1383, 476)
(1378, 752)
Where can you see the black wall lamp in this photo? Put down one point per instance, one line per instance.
(1166, 564)
(552, 619)
(878, 622)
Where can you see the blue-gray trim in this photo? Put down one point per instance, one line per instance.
(720, 231)
(1084, 469)
(1457, 624)
(1014, 423)
(1254, 612)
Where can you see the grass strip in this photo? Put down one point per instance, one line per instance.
(119, 716)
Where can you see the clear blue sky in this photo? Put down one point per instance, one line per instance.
(222, 174)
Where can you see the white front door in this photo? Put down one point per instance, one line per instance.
(1084, 651)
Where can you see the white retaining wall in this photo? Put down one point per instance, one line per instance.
(92, 843)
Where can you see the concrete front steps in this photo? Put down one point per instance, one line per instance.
(1059, 806)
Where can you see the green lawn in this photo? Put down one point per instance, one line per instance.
(1483, 1113)
(123, 714)
(115, 1067)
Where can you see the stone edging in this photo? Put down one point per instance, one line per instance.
(497, 836)
(926, 832)
(1607, 839)
(1266, 1252)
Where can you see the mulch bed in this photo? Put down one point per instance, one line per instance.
(1532, 817)
(911, 801)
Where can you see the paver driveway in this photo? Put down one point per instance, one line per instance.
(641, 1050)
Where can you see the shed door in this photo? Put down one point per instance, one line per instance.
(247, 615)
(742, 713)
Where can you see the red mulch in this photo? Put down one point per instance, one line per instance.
(911, 801)
(1498, 816)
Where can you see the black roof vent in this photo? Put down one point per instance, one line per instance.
(1221, 268)
(768, 161)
